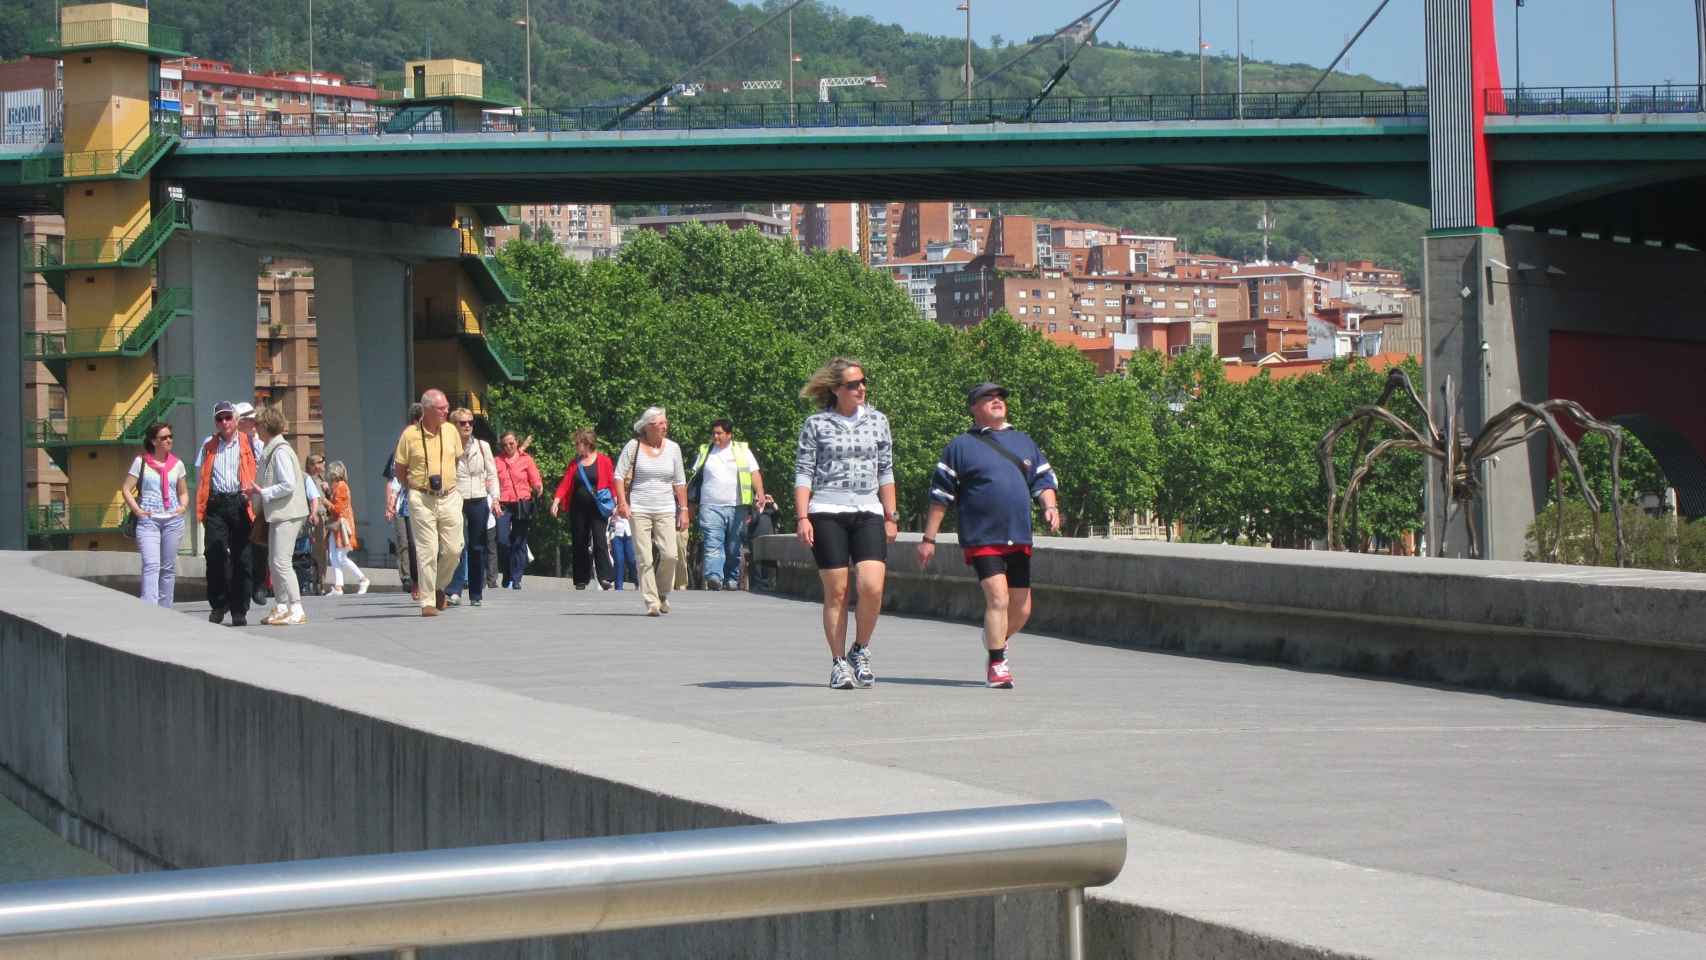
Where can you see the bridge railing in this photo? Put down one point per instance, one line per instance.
(1126, 108)
(406, 901)
(1657, 98)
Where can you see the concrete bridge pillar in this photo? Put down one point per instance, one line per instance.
(12, 385)
(366, 360)
(216, 343)
(1471, 338)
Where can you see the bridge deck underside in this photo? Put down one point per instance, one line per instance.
(1497, 792)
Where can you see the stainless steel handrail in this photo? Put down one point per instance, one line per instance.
(404, 901)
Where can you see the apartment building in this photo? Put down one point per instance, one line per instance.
(584, 231)
(1362, 277)
(213, 95)
(772, 227)
(1286, 293)
(827, 226)
(1041, 299)
(287, 350)
(917, 274)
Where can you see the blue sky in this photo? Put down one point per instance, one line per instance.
(1563, 41)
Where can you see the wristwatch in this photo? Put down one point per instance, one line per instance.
(893, 516)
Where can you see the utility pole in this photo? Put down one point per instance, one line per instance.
(1238, 15)
(790, 68)
(527, 13)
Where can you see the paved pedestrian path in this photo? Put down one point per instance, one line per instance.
(1571, 805)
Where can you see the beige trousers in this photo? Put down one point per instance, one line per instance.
(435, 524)
(683, 557)
(655, 547)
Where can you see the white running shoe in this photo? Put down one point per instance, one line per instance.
(840, 676)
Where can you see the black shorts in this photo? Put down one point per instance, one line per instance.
(842, 538)
(1016, 567)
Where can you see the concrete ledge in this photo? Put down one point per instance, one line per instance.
(1626, 638)
(162, 741)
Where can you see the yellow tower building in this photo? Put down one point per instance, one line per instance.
(116, 221)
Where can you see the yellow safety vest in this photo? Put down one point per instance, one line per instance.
(744, 465)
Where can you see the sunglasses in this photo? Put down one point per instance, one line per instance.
(224, 417)
(855, 384)
(163, 436)
(464, 423)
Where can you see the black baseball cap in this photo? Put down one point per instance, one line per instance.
(983, 390)
(224, 406)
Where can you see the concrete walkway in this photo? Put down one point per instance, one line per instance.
(1562, 804)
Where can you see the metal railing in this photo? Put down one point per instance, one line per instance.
(131, 160)
(133, 250)
(1125, 108)
(106, 33)
(403, 902)
(41, 521)
(1657, 98)
(131, 336)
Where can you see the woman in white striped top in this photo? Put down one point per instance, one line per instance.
(651, 493)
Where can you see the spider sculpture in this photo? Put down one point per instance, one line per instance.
(1460, 456)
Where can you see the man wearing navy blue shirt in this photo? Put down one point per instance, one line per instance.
(990, 474)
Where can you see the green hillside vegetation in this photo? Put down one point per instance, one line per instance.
(587, 50)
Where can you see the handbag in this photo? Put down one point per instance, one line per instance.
(127, 526)
(605, 500)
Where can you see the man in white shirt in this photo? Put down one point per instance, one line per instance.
(728, 481)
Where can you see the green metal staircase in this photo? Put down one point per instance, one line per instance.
(58, 436)
(133, 339)
(133, 161)
(136, 250)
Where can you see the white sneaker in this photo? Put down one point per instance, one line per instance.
(361, 587)
(277, 617)
(840, 676)
(294, 618)
(333, 591)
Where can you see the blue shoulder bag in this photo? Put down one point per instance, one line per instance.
(605, 500)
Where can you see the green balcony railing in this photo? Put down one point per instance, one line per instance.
(129, 162)
(105, 33)
(135, 250)
(44, 521)
(127, 427)
(131, 338)
(505, 355)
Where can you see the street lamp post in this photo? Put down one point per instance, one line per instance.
(1519, 54)
(1202, 64)
(966, 6)
(1616, 75)
(526, 22)
(1238, 16)
(791, 61)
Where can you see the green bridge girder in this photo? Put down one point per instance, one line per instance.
(1636, 176)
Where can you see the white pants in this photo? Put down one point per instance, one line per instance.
(435, 523)
(338, 559)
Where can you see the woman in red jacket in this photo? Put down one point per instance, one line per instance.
(587, 492)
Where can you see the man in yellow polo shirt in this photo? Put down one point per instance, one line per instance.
(426, 465)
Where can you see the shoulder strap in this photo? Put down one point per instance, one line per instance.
(1011, 458)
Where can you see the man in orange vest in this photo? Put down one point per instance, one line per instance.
(226, 465)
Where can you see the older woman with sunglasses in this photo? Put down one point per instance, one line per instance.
(477, 481)
(844, 502)
(156, 489)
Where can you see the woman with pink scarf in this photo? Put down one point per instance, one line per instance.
(156, 490)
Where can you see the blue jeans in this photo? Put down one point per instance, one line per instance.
(722, 527)
(512, 544)
(622, 558)
(471, 570)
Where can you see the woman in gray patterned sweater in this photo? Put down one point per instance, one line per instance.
(844, 503)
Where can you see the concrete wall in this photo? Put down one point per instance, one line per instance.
(12, 385)
(151, 739)
(1574, 633)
